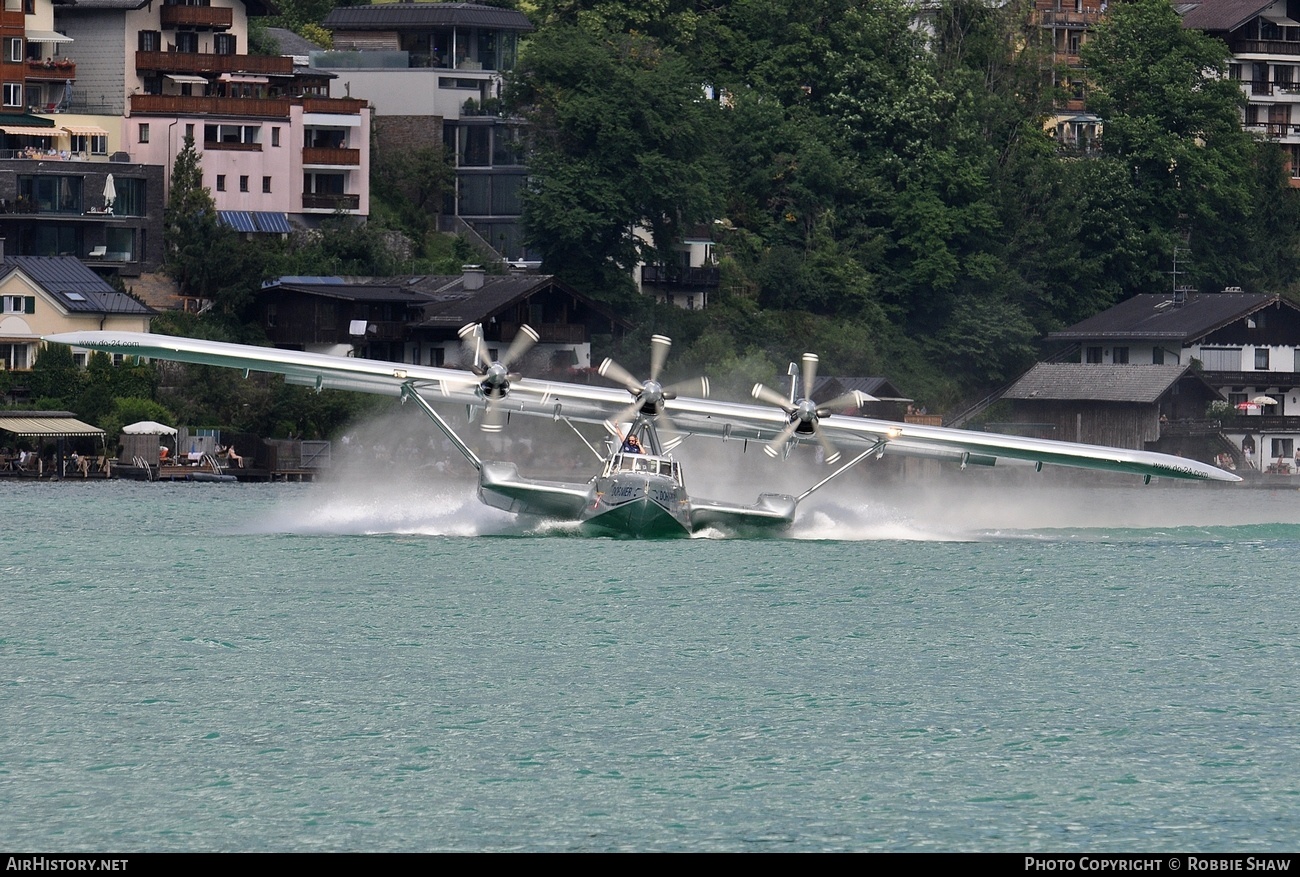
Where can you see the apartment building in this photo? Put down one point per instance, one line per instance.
(433, 72)
(275, 146)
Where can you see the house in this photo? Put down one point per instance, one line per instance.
(687, 275)
(110, 215)
(274, 146)
(1064, 27)
(417, 319)
(1246, 346)
(433, 73)
(42, 295)
(890, 403)
(1264, 39)
(1121, 406)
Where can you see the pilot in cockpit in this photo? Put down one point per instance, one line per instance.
(632, 445)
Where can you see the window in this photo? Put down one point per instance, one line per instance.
(94, 144)
(266, 185)
(1261, 358)
(223, 44)
(150, 41)
(1157, 356)
(18, 304)
(1221, 359)
(15, 356)
(13, 94)
(275, 136)
(232, 136)
(187, 41)
(144, 133)
(189, 132)
(221, 182)
(1283, 448)
(1119, 356)
(52, 193)
(130, 196)
(243, 183)
(14, 50)
(1092, 355)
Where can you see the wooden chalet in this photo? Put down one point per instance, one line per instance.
(416, 318)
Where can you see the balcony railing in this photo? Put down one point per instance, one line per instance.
(330, 155)
(1067, 18)
(183, 105)
(1263, 47)
(207, 62)
(673, 275)
(51, 71)
(213, 17)
(231, 147)
(345, 105)
(312, 201)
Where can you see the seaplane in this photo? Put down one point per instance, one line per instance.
(639, 489)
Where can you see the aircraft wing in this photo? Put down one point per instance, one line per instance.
(595, 404)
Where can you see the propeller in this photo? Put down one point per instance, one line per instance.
(649, 396)
(804, 414)
(495, 375)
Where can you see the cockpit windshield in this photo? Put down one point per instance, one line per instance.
(643, 463)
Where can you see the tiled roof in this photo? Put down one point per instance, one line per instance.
(1224, 15)
(290, 43)
(1072, 381)
(389, 16)
(76, 287)
(1158, 317)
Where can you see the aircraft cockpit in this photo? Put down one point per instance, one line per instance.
(645, 464)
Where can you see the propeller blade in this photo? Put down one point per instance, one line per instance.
(623, 416)
(697, 387)
(832, 455)
(772, 397)
(809, 374)
(525, 338)
(659, 346)
(494, 417)
(775, 446)
(619, 375)
(852, 399)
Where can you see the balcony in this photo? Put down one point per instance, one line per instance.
(549, 333)
(182, 105)
(205, 17)
(332, 156)
(1263, 47)
(342, 105)
(1068, 18)
(672, 275)
(207, 62)
(219, 145)
(318, 201)
(51, 71)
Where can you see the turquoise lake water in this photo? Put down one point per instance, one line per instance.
(384, 664)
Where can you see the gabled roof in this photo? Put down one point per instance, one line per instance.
(1083, 382)
(373, 291)
(73, 285)
(1159, 317)
(290, 43)
(452, 305)
(828, 387)
(390, 16)
(1224, 15)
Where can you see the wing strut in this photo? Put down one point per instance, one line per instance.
(409, 392)
(877, 449)
(569, 423)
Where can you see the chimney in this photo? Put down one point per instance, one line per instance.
(2, 249)
(472, 276)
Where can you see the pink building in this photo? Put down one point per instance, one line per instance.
(274, 145)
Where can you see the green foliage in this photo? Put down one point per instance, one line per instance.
(622, 139)
(131, 409)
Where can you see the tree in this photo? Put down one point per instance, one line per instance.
(1172, 116)
(190, 226)
(622, 139)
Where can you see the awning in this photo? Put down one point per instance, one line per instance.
(1276, 18)
(332, 120)
(243, 77)
(85, 130)
(253, 222)
(183, 79)
(47, 427)
(46, 36)
(31, 132)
